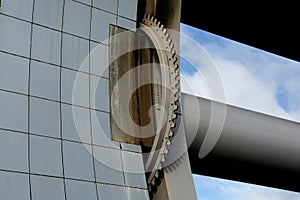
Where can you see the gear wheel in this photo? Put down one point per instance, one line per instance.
(171, 77)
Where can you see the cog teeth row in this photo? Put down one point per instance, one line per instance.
(149, 20)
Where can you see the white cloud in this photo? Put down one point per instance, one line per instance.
(251, 78)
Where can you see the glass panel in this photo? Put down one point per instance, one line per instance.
(14, 36)
(77, 24)
(47, 188)
(78, 190)
(111, 192)
(45, 156)
(14, 186)
(46, 45)
(81, 165)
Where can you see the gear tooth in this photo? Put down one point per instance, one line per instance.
(166, 151)
(170, 42)
(155, 21)
(176, 76)
(169, 143)
(156, 174)
(158, 24)
(173, 124)
(167, 36)
(159, 166)
(173, 51)
(174, 116)
(152, 18)
(174, 92)
(167, 40)
(176, 98)
(172, 70)
(176, 59)
(153, 182)
(164, 31)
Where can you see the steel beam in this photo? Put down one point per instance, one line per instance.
(253, 147)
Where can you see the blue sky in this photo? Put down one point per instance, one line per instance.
(252, 79)
(208, 188)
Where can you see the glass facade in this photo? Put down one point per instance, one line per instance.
(44, 48)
